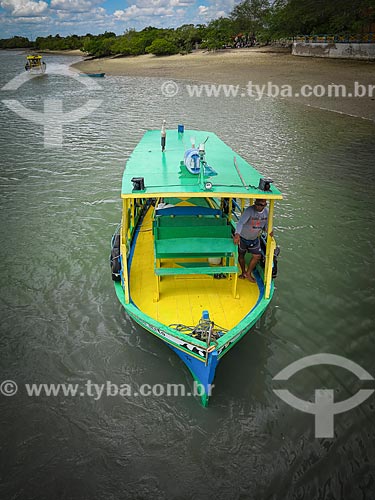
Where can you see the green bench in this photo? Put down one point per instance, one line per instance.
(172, 271)
(181, 220)
(194, 241)
(204, 232)
(191, 246)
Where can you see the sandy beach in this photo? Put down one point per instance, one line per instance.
(260, 66)
(75, 52)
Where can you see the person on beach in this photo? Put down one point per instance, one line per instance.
(253, 220)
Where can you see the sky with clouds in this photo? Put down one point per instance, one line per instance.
(34, 18)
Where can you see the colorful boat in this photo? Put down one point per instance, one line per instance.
(35, 65)
(93, 75)
(173, 258)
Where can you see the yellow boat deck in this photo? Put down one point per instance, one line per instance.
(184, 297)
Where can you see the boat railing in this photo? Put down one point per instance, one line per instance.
(270, 249)
(188, 210)
(132, 211)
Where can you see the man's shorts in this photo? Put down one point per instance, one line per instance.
(252, 246)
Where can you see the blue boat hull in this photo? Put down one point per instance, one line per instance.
(93, 75)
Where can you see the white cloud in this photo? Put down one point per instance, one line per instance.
(179, 3)
(164, 3)
(215, 9)
(135, 12)
(153, 9)
(74, 5)
(24, 8)
(95, 13)
(83, 16)
(27, 20)
(165, 13)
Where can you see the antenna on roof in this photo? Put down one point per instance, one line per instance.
(163, 136)
(239, 174)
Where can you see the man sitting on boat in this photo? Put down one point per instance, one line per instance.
(250, 225)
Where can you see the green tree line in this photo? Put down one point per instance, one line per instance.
(249, 20)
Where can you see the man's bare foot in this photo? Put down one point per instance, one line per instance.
(242, 276)
(251, 278)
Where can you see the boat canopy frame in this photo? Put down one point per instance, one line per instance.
(152, 173)
(132, 211)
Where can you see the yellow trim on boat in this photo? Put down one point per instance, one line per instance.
(124, 234)
(212, 194)
(270, 248)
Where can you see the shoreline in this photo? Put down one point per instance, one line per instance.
(74, 52)
(265, 66)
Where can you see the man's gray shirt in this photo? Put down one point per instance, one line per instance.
(252, 222)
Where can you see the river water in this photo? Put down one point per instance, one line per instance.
(61, 321)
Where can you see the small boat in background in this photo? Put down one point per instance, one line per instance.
(35, 65)
(93, 75)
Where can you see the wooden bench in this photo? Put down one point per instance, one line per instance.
(191, 246)
(171, 271)
(171, 220)
(185, 231)
(188, 210)
(197, 241)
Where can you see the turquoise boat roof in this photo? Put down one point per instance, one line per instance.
(165, 174)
